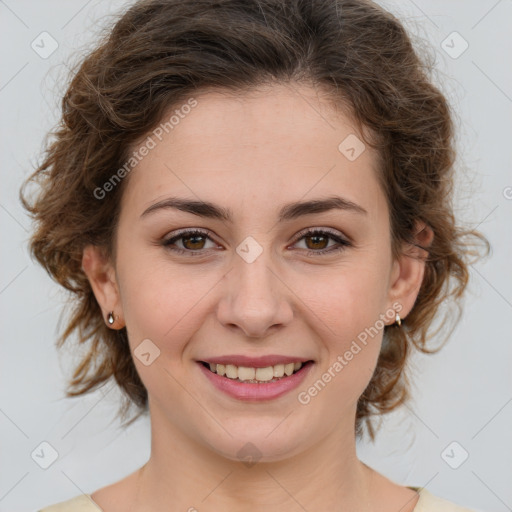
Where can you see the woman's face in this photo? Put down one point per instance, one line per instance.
(256, 285)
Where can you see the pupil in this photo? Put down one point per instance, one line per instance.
(194, 240)
(316, 238)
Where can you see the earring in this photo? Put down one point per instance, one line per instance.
(110, 318)
(398, 320)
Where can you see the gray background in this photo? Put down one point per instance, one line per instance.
(461, 394)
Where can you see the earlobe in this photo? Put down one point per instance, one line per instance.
(409, 269)
(102, 278)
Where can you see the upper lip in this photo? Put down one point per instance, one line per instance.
(255, 362)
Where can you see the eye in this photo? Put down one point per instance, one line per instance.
(192, 242)
(317, 241)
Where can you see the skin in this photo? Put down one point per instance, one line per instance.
(252, 153)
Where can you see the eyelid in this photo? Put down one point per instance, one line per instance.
(182, 233)
(341, 240)
(186, 231)
(321, 229)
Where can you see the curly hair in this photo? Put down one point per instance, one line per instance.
(159, 52)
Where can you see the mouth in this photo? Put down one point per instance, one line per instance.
(255, 383)
(255, 375)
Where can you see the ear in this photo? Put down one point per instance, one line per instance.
(102, 277)
(408, 270)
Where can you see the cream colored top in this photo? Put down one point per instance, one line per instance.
(427, 502)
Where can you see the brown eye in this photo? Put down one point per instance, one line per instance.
(188, 242)
(193, 242)
(317, 242)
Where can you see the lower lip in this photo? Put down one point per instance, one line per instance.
(256, 392)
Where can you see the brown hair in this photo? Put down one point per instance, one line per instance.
(160, 52)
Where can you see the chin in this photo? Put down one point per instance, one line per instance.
(268, 441)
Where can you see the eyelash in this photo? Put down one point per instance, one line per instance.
(343, 243)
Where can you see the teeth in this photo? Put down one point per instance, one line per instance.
(278, 370)
(264, 374)
(231, 371)
(245, 373)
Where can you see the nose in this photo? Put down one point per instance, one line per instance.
(255, 300)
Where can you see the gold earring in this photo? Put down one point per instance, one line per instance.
(398, 320)
(110, 318)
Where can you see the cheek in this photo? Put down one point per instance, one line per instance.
(347, 300)
(349, 318)
(162, 306)
(161, 302)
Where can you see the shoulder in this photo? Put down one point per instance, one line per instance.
(428, 502)
(80, 503)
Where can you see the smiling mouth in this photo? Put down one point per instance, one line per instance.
(252, 375)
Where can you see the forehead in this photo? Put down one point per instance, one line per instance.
(270, 142)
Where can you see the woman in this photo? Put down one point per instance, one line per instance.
(251, 202)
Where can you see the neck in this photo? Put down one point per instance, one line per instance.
(186, 475)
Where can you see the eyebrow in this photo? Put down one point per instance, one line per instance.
(286, 213)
